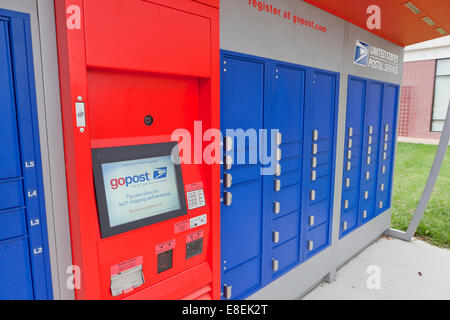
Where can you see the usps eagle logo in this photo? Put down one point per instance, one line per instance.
(362, 53)
(160, 173)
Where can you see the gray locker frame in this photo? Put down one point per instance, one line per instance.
(43, 32)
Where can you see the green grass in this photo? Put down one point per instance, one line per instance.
(412, 167)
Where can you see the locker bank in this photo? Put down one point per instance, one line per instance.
(95, 202)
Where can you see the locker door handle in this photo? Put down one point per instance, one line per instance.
(370, 129)
(315, 135)
(382, 187)
(311, 220)
(276, 207)
(350, 143)
(346, 204)
(228, 180)
(384, 169)
(313, 195)
(277, 185)
(227, 291)
(314, 148)
(349, 166)
(310, 245)
(364, 214)
(38, 250)
(366, 195)
(278, 154)
(275, 265)
(347, 182)
(381, 204)
(386, 128)
(228, 198)
(368, 160)
(314, 162)
(386, 137)
(369, 150)
(345, 225)
(228, 143)
(349, 154)
(313, 175)
(370, 140)
(350, 132)
(367, 175)
(276, 236)
(228, 162)
(278, 170)
(278, 139)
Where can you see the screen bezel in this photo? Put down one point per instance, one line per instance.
(129, 153)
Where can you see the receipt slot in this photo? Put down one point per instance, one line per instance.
(143, 224)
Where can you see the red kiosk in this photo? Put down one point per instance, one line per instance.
(132, 72)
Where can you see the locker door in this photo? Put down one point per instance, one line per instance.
(369, 162)
(319, 153)
(282, 191)
(386, 148)
(242, 100)
(352, 155)
(24, 269)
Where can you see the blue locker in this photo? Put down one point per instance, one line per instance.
(387, 147)
(369, 161)
(356, 96)
(24, 263)
(242, 105)
(282, 191)
(318, 151)
(266, 226)
(371, 109)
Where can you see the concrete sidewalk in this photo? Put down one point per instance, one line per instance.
(415, 270)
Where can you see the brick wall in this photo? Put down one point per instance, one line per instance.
(416, 101)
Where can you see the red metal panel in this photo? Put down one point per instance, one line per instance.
(213, 3)
(144, 36)
(129, 59)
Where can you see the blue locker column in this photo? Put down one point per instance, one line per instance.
(386, 148)
(356, 98)
(370, 146)
(242, 105)
(318, 161)
(282, 189)
(15, 267)
(24, 263)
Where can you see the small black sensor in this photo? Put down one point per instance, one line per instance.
(148, 120)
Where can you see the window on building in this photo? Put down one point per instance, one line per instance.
(441, 95)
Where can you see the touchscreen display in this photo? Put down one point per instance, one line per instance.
(140, 189)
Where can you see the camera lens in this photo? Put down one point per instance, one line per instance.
(148, 120)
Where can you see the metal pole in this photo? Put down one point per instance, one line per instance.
(426, 195)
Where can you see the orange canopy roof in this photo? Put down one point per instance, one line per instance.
(401, 20)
